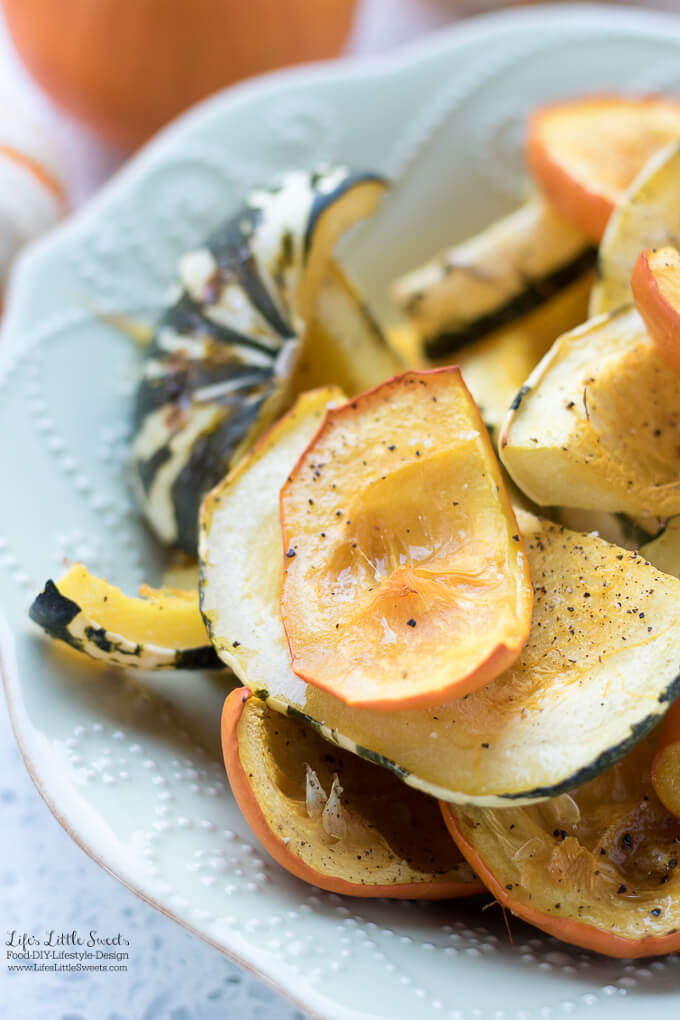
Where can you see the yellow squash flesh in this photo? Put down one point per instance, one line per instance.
(343, 344)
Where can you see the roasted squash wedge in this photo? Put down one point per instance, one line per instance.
(597, 867)
(647, 216)
(330, 818)
(343, 344)
(584, 153)
(493, 280)
(596, 424)
(163, 629)
(601, 661)
(495, 366)
(405, 580)
(656, 288)
(219, 368)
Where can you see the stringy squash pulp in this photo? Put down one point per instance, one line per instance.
(597, 867)
(330, 818)
(405, 580)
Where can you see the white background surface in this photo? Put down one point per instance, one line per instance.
(46, 881)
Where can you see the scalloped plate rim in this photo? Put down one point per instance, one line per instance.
(28, 266)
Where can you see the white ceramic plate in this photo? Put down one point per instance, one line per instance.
(131, 766)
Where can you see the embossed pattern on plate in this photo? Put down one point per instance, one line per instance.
(131, 765)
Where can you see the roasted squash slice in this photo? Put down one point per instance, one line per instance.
(219, 368)
(592, 668)
(495, 366)
(656, 288)
(405, 580)
(493, 280)
(596, 425)
(343, 344)
(330, 818)
(163, 629)
(584, 153)
(597, 867)
(647, 216)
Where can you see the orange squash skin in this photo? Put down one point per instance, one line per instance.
(662, 321)
(502, 655)
(126, 67)
(584, 207)
(243, 793)
(574, 932)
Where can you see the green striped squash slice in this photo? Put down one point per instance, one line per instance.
(221, 364)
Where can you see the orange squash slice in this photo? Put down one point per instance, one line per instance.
(405, 581)
(656, 288)
(597, 867)
(584, 153)
(330, 818)
(666, 761)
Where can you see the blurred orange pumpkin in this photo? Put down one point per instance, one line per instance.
(126, 67)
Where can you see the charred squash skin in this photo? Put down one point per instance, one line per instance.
(448, 876)
(220, 365)
(621, 821)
